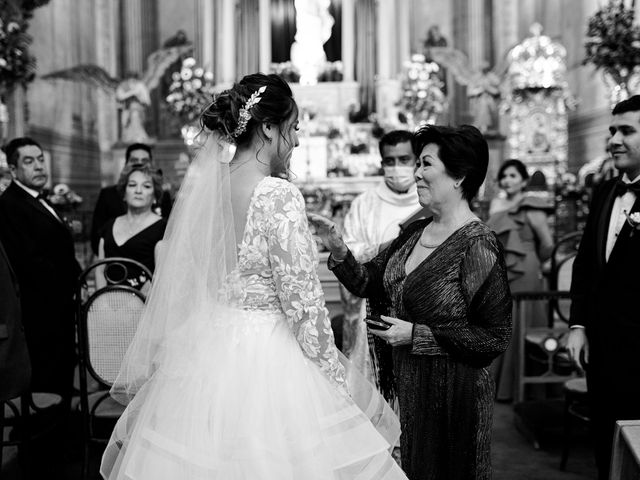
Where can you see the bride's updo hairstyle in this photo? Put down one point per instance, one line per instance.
(276, 106)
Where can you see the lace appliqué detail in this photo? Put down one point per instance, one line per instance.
(277, 272)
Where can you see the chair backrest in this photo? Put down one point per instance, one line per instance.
(108, 317)
(562, 258)
(111, 319)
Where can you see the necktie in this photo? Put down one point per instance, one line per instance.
(621, 188)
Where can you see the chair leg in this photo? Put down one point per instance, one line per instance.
(24, 448)
(1, 435)
(85, 461)
(566, 441)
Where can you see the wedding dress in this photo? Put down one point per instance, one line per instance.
(248, 383)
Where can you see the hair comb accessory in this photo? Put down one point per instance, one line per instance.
(245, 115)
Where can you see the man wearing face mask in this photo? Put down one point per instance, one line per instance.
(374, 219)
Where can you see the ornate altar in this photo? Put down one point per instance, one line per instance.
(536, 100)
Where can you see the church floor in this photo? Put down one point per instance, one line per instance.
(514, 457)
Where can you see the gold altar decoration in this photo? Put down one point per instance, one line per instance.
(536, 98)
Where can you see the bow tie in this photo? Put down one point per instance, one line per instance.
(621, 188)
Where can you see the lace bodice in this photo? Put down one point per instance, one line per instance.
(277, 272)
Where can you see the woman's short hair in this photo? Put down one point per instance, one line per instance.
(515, 163)
(127, 171)
(463, 150)
(276, 106)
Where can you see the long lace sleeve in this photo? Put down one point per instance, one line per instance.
(294, 259)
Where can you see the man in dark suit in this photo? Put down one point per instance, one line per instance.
(110, 203)
(15, 367)
(41, 251)
(605, 315)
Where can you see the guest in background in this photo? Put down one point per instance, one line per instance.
(135, 234)
(605, 318)
(110, 203)
(373, 219)
(442, 285)
(15, 367)
(520, 221)
(5, 179)
(41, 251)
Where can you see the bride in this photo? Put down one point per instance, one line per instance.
(233, 372)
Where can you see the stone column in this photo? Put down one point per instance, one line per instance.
(386, 38)
(205, 35)
(506, 25)
(475, 44)
(225, 41)
(105, 26)
(403, 20)
(348, 40)
(139, 33)
(387, 84)
(265, 35)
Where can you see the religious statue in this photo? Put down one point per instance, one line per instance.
(313, 29)
(434, 39)
(133, 95)
(483, 91)
(483, 85)
(132, 92)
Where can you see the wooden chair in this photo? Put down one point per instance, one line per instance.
(108, 318)
(562, 256)
(30, 416)
(553, 364)
(575, 408)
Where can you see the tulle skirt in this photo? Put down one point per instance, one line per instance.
(235, 398)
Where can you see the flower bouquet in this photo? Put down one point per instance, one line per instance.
(633, 219)
(422, 98)
(190, 92)
(63, 197)
(17, 65)
(613, 46)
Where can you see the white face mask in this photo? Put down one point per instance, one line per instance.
(399, 178)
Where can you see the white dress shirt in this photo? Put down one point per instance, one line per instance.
(34, 194)
(621, 208)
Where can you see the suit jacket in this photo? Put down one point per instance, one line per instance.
(41, 251)
(110, 205)
(605, 296)
(15, 367)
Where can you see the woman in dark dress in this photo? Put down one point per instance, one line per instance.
(442, 285)
(137, 233)
(520, 221)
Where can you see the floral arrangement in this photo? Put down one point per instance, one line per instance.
(190, 92)
(63, 196)
(17, 65)
(633, 219)
(422, 98)
(613, 40)
(331, 72)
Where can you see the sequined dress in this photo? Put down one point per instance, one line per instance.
(458, 299)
